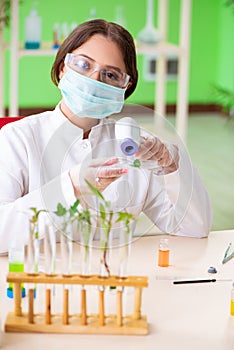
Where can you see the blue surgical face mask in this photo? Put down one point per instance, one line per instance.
(87, 97)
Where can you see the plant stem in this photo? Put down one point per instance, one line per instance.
(108, 230)
(105, 259)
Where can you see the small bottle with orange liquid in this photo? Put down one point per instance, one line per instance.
(163, 252)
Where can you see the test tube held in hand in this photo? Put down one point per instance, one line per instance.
(127, 132)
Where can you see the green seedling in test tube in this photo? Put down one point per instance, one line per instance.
(33, 244)
(107, 219)
(137, 163)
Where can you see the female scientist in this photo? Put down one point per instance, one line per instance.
(45, 158)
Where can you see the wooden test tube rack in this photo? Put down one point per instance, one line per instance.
(80, 323)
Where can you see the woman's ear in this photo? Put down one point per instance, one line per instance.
(62, 70)
(129, 85)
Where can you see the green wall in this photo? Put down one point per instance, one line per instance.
(225, 71)
(211, 33)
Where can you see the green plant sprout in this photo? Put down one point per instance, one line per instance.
(225, 98)
(72, 214)
(66, 230)
(136, 163)
(69, 215)
(33, 259)
(84, 217)
(106, 216)
(126, 218)
(34, 221)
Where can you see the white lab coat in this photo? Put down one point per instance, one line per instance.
(37, 152)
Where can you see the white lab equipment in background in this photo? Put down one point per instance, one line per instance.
(92, 14)
(150, 67)
(149, 34)
(65, 31)
(33, 29)
(56, 36)
(119, 16)
(162, 48)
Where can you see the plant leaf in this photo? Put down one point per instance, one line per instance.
(125, 216)
(95, 190)
(36, 213)
(102, 212)
(73, 208)
(136, 163)
(61, 211)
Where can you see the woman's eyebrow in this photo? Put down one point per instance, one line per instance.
(106, 65)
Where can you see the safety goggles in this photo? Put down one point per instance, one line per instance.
(107, 74)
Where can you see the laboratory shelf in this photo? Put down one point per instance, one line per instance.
(162, 50)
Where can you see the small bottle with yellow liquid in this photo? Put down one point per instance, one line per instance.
(163, 252)
(232, 301)
(16, 264)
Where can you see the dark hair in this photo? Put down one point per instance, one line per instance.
(83, 32)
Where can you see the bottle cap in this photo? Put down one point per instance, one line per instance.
(128, 147)
(164, 241)
(212, 269)
(10, 292)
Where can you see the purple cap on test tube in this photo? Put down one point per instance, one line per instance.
(129, 147)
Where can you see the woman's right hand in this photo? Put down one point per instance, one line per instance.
(100, 173)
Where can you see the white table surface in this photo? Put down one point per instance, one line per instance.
(192, 316)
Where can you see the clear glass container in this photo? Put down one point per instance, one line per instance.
(66, 248)
(134, 162)
(163, 252)
(50, 249)
(232, 301)
(86, 237)
(33, 249)
(16, 264)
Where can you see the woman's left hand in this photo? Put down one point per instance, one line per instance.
(151, 148)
